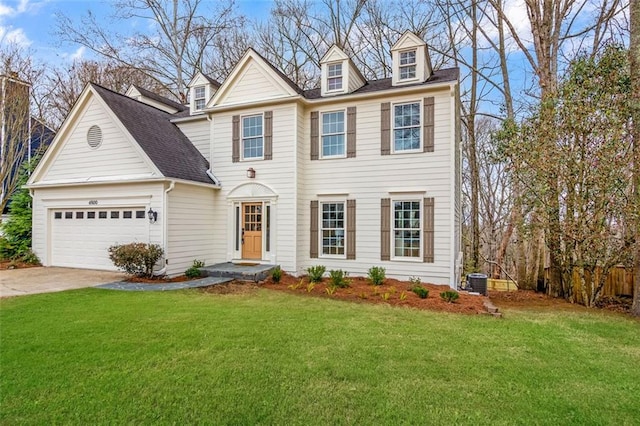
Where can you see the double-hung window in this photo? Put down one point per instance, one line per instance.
(252, 137)
(408, 65)
(333, 134)
(334, 77)
(199, 97)
(407, 228)
(332, 227)
(406, 127)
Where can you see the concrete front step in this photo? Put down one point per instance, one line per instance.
(239, 271)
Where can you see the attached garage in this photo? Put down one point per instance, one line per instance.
(80, 238)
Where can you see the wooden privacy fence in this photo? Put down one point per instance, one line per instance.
(619, 282)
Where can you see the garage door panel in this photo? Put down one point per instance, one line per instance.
(81, 238)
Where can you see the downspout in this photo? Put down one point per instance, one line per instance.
(165, 227)
(210, 170)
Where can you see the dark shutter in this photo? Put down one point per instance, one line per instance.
(313, 252)
(428, 230)
(315, 130)
(428, 111)
(385, 128)
(268, 135)
(385, 231)
(351, 132)
(235, 138)
(351, 229)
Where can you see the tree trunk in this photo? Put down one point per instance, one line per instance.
(634, 56)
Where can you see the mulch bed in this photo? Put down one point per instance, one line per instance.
(9, 264)
(361, 291)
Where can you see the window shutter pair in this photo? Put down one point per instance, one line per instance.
(268, 137)
(351, 133)
(428, 109)
(427, 229)
(350, 228)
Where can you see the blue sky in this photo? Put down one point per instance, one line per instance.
(31, 23)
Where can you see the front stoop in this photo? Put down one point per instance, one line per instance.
(238, 271)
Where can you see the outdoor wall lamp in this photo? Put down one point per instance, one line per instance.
(153, 215)
(251, 173)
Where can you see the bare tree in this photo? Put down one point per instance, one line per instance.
(181, 38)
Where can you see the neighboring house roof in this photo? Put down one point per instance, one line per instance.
(41, 136)
(167, 147)
(439, 76)
(149, 94)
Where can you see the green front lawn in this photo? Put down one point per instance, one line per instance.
(97, 356)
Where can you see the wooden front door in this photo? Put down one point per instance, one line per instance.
(252, 231)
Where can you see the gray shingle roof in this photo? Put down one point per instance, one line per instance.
(439, 76)
(151, 95)
(162, 141)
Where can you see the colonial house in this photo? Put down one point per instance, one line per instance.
(351, 175)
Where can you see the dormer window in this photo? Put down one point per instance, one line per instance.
(408, 65)
(334, 77)
(199, 98)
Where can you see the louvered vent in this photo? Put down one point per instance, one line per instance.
(94, 136)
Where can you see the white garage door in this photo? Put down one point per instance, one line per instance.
(80, 238)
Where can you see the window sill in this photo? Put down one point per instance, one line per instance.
(332, 157)
(333, 256)
(408, 151)
(407, 259)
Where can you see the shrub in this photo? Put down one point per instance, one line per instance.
(338, 278)
(449, 296)
(415, 281)
(136, 258)
(310, 287)
(376, 275)
(403, 296)
(194, 270)
(16, 239)
(422, 292)
(330, 290)
(316, 273)
(276, 274)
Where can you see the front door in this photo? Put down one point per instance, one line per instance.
(252, 231)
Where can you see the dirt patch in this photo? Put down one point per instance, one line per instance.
(160, 280)
(530, 299)
(232, 287)
(392, 292)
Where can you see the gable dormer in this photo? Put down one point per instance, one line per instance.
(411, 61)
(147, 97)
(339, 73)
(201, 89)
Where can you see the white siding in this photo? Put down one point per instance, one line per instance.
(278, 174)
(115, 195)
(371, 176)
(198, 133)
(115, 157)
(191, 227)
(254, 84)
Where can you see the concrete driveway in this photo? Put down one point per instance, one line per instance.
(18, 282)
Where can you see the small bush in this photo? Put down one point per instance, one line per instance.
(415, 281)
(338, 278)
(403, 296)
(330, 290)
(276, 274)
(136, 258)
(310, 287)
(449, 296)
(29, 257)
(376, 275)
(316, 273)
(194, 270)
(422, 292)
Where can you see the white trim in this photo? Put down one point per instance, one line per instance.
(118, 180)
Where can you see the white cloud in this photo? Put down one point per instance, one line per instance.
(78, 54)
(12, 35)
(11, 11)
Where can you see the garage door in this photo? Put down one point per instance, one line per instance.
(80, 238)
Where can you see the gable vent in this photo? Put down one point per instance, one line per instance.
(94, 136)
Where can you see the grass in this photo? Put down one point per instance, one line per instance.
(96, 356)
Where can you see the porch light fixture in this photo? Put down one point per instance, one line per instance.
(153, 215)
(251, 173)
